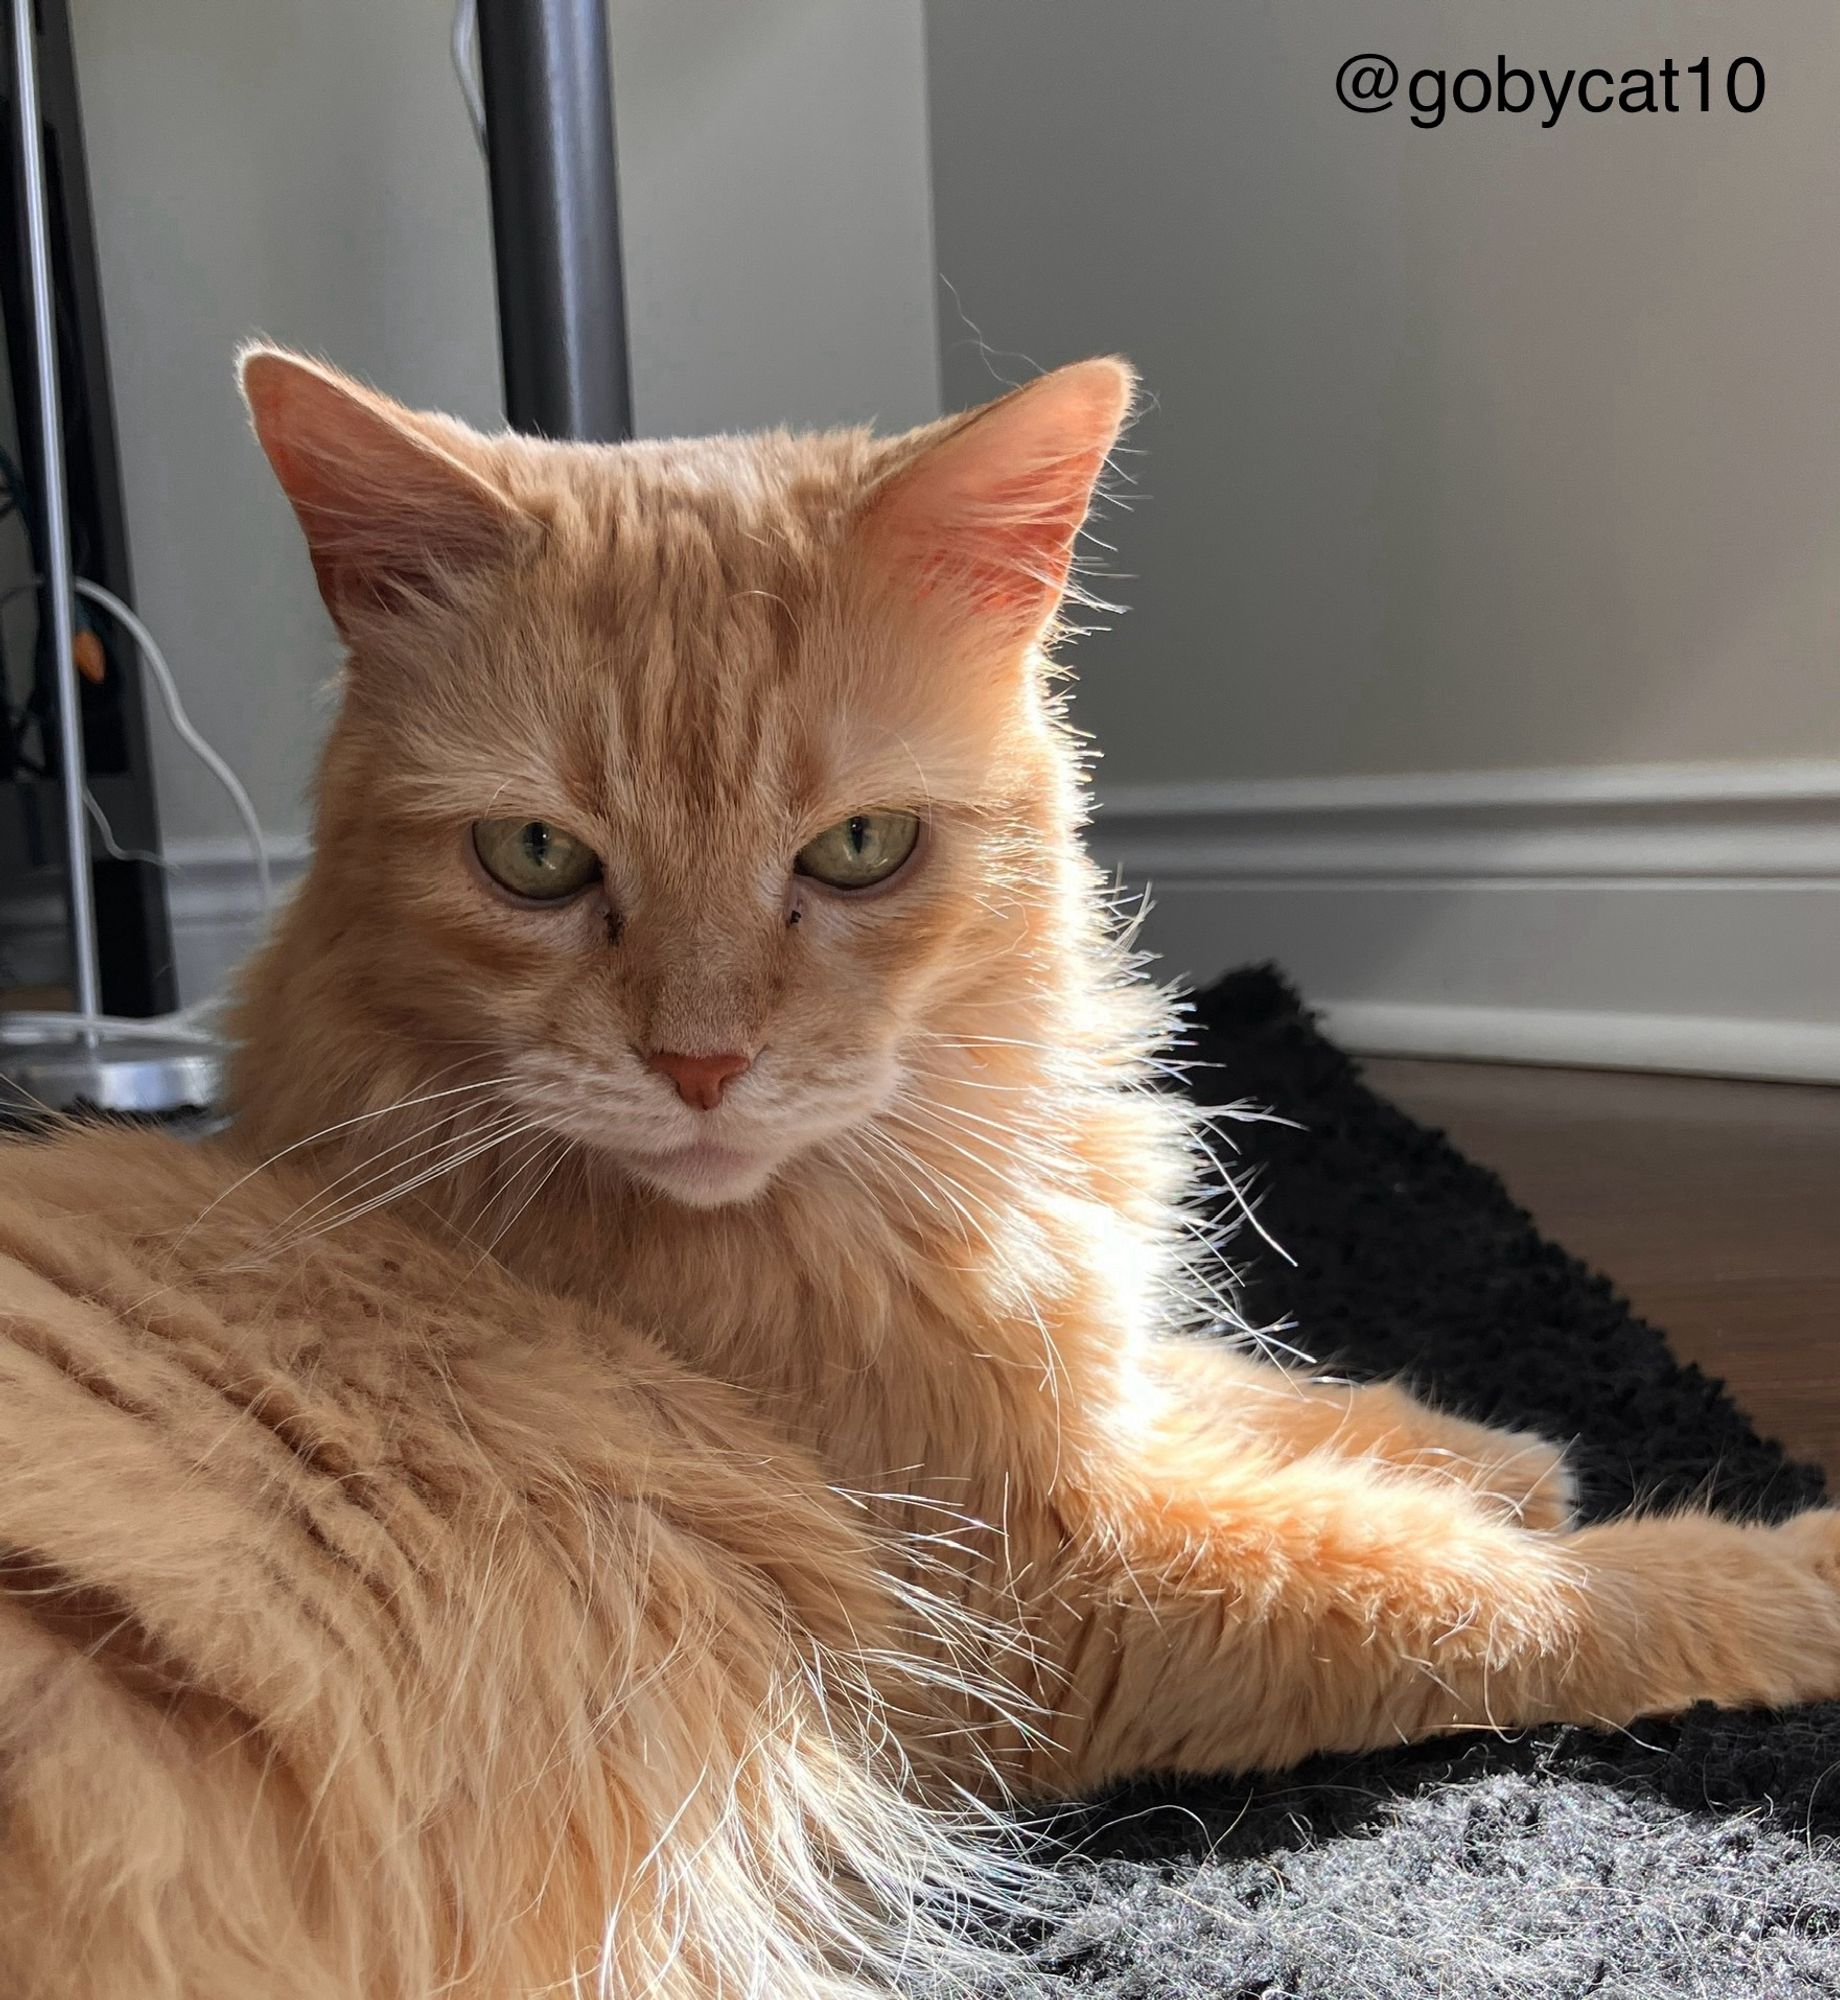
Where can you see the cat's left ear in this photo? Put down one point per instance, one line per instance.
(985, 515)
(392, 511)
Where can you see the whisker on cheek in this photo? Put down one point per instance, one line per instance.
(449, 1155)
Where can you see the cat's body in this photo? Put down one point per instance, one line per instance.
(836, 1171)
(372, 1625)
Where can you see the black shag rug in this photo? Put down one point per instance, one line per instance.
(1689, 1857)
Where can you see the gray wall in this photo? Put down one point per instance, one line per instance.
(778, 212)
(305, 168)
(300, 170)
(1471, 447)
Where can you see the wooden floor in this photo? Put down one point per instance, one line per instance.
(1714, 1206)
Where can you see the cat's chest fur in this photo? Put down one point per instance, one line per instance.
(957, 1362)
(965, 1396)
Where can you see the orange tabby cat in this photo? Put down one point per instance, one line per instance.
(700, 961)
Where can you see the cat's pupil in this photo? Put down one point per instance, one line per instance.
(536, 841)
(859, 833)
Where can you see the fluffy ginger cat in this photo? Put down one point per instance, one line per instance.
(676, 1379)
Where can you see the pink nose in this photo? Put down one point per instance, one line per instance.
(700, 1080)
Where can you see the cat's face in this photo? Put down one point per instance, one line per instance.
(690, 789)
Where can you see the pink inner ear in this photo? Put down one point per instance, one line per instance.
(991, 512)
(1013, 548)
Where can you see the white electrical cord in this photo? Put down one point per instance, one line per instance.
(28, 1027)
(464, 48)
(110, 845)
(185, 730)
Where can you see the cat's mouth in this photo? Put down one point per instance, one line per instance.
(703, 1160)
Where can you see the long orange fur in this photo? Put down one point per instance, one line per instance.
(487, 1526)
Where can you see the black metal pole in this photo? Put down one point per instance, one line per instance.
(555, 217)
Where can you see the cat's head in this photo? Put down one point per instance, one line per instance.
(702, 791)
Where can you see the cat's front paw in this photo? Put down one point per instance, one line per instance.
(1792, 1631)
(1521, 1472)
(1815, 1536)
(1531, 1478)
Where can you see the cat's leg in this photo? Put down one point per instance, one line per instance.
(1242, 1614)
(1282, 1410)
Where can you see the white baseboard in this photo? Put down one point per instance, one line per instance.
(213, 898)
(1777, 1051)
(1679, 917)
(1676, 917)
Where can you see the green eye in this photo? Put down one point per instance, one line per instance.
(533, 859)
(860, 851)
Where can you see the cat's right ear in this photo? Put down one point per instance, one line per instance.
(985, 515)
(391, 514)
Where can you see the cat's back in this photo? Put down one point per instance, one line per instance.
(344, 1584)
(178, 1337)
